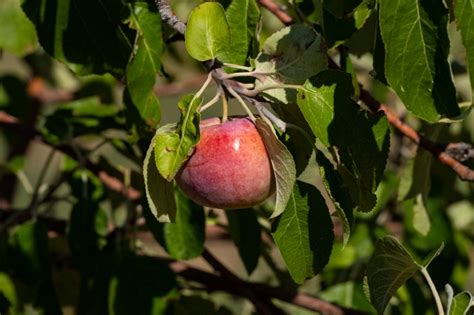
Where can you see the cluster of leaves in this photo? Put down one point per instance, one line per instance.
(328, 135)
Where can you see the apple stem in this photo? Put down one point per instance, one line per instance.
(241, 101)
(211, 102)
(224, 107)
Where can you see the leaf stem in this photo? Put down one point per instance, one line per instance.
(261, 89)
(435, 293)
(211, 102)
(203, 87)
(241, 101)
(231, 65)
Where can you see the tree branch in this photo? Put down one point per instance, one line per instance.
(169, 17)
(278, 10)
(442, 152)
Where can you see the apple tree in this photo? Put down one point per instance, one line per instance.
(236, 157)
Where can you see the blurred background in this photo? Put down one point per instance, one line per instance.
(65, 145)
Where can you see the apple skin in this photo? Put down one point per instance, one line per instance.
(229, 168)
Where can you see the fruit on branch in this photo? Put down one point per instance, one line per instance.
(230, 167)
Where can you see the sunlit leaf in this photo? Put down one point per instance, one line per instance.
(207, 33)
(173, 147)
(242, 16)
(159, 192)
(417, 46)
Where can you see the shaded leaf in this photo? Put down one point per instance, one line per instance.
(146, 63)
(417, 47)
(338, 193)
(325, 101)
(242, 16)
(184, 239)
(464, 11)
(290, 56)
(388, 269)
(299, 141)
(159, 192)
(282, 164)
(88, 35)
(172, 148)
(246, 234)
(207, 33)
(304, 233)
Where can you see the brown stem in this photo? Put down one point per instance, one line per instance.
(277, 10)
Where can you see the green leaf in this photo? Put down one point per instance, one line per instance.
(88, 35)
(415, 185)
(8, 295)
(17, 34)
(29, 252)
(146, 63)
(338, 193)
(459, 304)
(184, 239)
(246, 234)
(290, 56)
(325, 101)
(464, 10)
(389, 268)
(283, 166)
(172, 148)
(416, 43)
(304, 233)
(343, 19)
(207, 33)
(159, 192)
(243, 17)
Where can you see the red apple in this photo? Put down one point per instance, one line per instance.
(230, 167)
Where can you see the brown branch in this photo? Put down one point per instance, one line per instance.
(262, 305)
(213, 283)
(278, 10)
(169, 17)
(438, 150)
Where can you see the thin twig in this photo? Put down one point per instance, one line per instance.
(278, 10)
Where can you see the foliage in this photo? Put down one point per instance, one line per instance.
(100, 107)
